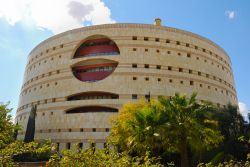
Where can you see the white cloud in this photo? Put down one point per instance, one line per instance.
(244, 110)
(230, 14)
(55, 15)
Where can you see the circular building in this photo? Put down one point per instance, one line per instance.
(79, 78)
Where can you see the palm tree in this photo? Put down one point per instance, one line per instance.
(146, 128)
(169, 124)
(187, 124)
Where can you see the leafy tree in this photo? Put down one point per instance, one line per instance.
(187, 124)
(11, 149)
(20, 151)
(136, 129)
(232, 126)
(7, 128)
(99, 158)
(169, 124)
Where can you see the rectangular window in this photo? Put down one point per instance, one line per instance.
(146, 65)
(134, 38)
(170, 80)
(187, 45)
(190, 71)
(158, 67)
(167, 41)
(169, 52)
(159, 79)
(169, 68)
(134, 96)
(199, 73)
(145, 38)
(188, 55)
(180, 70)
(181, 82)
(157, 39)
(177, 43)
(146, 79)
(191, 82)
(134, 78)
(134, 65)
(107, 130)
(146, 50)
(68, 146)
(134, 49)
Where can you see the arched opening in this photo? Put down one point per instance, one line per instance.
(97, 45)
(87, 109)
(93, 95)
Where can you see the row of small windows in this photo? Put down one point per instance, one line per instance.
(80, 145)
(47, 51)
(187, 45)
(43, 61)
(170, 68)
(134, 78)
(41, 76)
(133, 66)
(97, 69)
(76, 130)
(45, 101)
(39, 87)
(191, 83)
(188, 55)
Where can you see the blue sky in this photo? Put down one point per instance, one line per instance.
(25, 23)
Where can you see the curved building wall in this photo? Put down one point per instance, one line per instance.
(140, 59)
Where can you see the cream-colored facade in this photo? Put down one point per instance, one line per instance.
(152, 58)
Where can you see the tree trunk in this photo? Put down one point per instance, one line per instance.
(183, 150)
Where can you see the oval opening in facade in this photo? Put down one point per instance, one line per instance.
(97, 46)
(91, 109)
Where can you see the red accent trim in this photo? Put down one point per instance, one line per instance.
(81, 52)
(89, 76)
